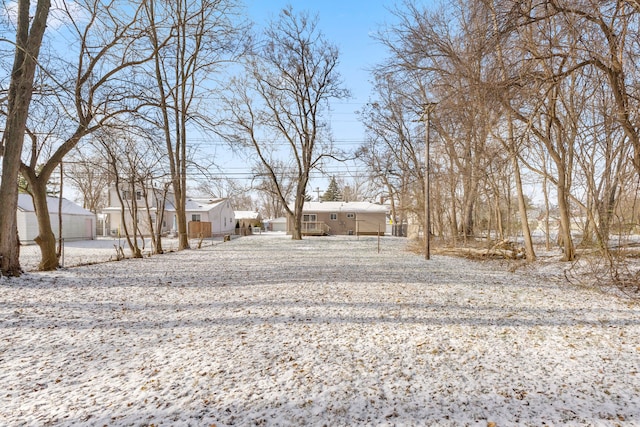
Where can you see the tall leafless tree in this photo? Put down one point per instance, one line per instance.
(191, 39)
(93, 80)
(89, 176)
(277, 110)
(30, 31)
(394, 150)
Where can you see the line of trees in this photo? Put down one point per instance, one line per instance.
(543, 93)
(121, 86)
(528, 95)
(106, 71)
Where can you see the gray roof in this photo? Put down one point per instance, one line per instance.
(344, 207)
(25, 204)
(247, 214)
(196, 205)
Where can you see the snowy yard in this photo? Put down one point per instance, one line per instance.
(263, 330)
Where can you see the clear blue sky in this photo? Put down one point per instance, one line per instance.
(349, 24)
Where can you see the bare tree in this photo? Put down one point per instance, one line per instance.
(89, 176)
(272, 203)
(509, 140)
(448, 64)
(136, 165)
(29, 34)
(394, 150)
(277, 110)
(108, 50)
(607, 32)
(191, 40)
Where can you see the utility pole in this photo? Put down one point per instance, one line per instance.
(317, 190)
(428, 108)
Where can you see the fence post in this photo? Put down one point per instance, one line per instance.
(62, 252)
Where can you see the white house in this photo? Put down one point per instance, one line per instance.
(217, 212)
(77, 222)
(213, 216)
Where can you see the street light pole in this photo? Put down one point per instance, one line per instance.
(428, 108)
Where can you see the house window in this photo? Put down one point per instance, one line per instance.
(126, 195)
(351, 215)
(334, 217)
(309, 218)
(195, 217)
(138, 195)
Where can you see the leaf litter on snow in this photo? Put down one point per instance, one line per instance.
(265, 330)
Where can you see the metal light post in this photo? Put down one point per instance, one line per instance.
(428, 108)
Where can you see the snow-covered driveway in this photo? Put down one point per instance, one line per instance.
(263, 330)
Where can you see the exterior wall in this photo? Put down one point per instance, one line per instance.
(222, 219)
(247, 222)
(28, 226)
(341, 225)
(360, 223)
(220, 216)
(350, 223)
(279, 224)
(114, 201)
(115, 223)
(74, 227)
(371, 223)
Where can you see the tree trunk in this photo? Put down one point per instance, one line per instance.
(133, 210)
(565, 220)
(181, 218)
(46, 239)
(467, 218)
(452, 195)
(160, 211)
(296, 233)
(522, 210)
(530, 253)
(59, 246)
(27, 49)
(547, 208)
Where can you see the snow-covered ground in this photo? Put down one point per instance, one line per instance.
(263, 330)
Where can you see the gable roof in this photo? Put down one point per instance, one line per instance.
(196, 205)
(247, 215)
(25, 204)
(344, 207)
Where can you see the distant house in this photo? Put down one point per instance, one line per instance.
(277, 224)
(342, 218)
(208, 217)
(77, 222)
(205, 217)
(247, 220)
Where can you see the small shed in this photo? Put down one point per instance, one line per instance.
(77, 222)
(277, 224)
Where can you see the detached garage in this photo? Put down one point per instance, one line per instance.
(77, 222)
